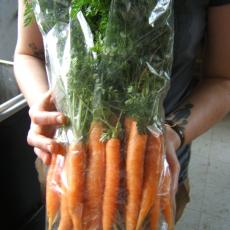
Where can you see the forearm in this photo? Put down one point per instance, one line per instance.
(208, 104)
(31, 76)
(29, 66)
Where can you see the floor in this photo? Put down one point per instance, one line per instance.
(209, 208)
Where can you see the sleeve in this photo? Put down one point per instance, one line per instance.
(218, 2)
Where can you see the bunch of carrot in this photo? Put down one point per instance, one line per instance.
(95, 173)
(109, 68)
(111, 77)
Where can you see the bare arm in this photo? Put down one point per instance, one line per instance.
(29, 60)
(210, 101)
(30, 73)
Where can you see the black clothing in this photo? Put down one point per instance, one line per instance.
(190, 23)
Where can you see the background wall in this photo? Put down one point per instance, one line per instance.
(8, 28)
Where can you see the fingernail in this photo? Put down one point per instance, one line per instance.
(50, 148)
(60, 119)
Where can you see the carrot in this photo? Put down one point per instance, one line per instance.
(112, 179)
(95, 178)
(76, 182)
(155, 214)
(152, 171)
(166, 201)
(52, 193)
(134, 174)
(65, 220)
(127, 125)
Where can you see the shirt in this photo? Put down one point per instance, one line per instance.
(190, 27)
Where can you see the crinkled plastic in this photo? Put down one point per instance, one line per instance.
(114, 174)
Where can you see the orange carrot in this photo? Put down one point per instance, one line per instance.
(127, 125)
(112, 179)
(166, 201)
(95, 178)
(52, 193)
(134, 175)
(65, 221)
(155, 214)
(152, 171)
(76, 182)
(65, 218)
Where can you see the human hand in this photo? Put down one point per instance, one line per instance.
(44, 121)
(172, 144)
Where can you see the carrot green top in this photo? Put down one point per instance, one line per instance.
(112, 59)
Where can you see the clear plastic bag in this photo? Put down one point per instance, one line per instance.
(110, 81)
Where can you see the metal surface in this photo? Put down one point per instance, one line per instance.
(11, 99)
(12, 106)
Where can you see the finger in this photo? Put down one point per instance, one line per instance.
(48, 131)
(174, 166)
(44, 156)
(47, 118)
(44, 143)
